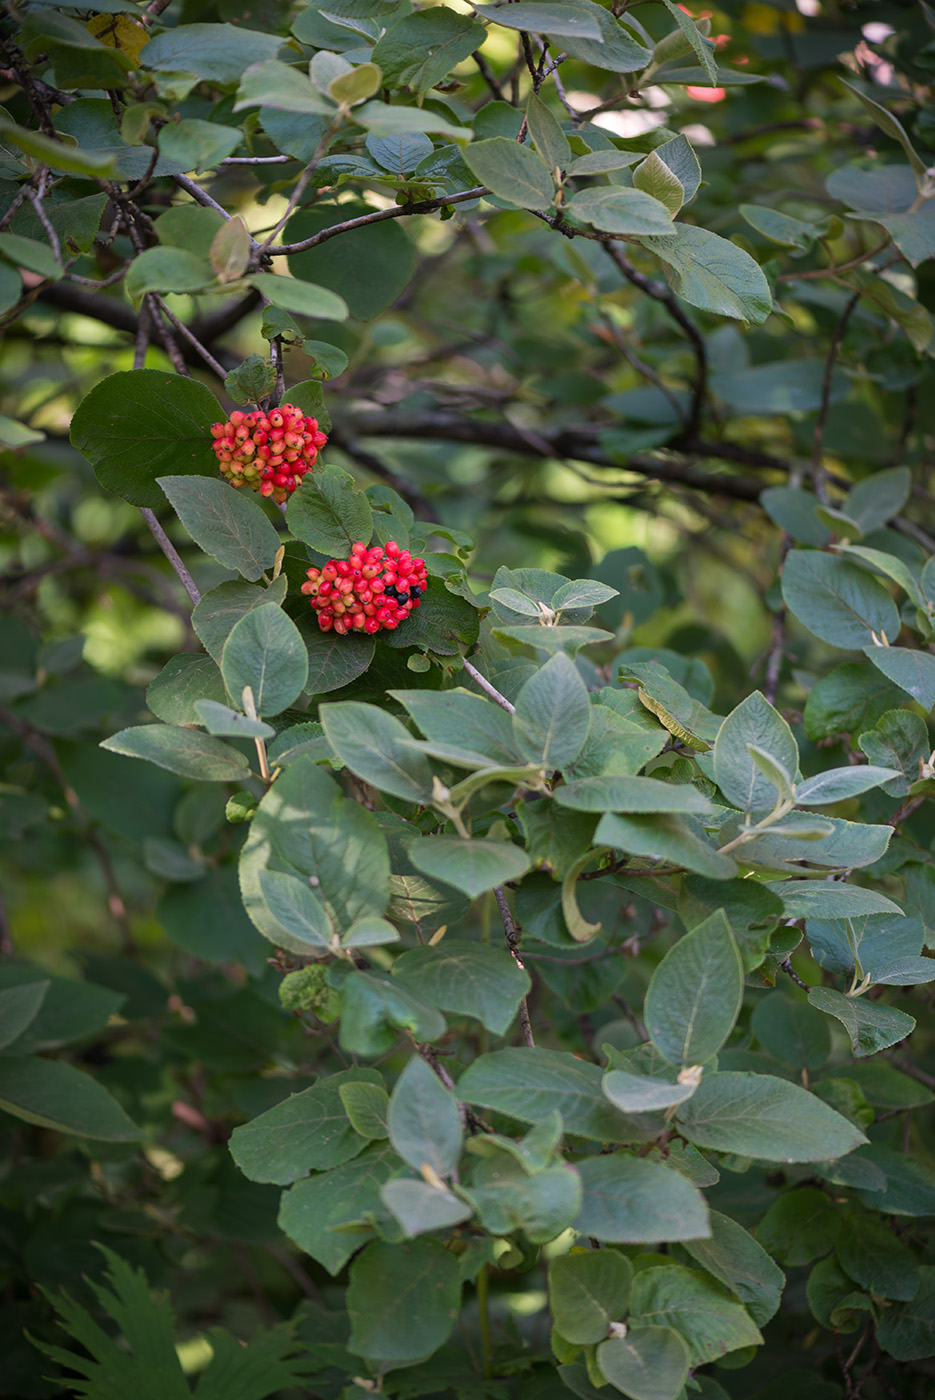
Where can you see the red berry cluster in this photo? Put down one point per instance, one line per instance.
(269, 452)
(371, 591)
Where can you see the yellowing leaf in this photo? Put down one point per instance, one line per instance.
(119, 32)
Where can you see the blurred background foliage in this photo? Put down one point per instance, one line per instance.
(514, 386)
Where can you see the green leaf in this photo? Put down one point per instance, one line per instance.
(317, 1211)
(757, 1115)
(673, 839)
(873, 1257)
(850, 699)
(424, 1125)
(421, 1208)
(548, 137)
(742, 1265)
(755, 722)
(512, 171)
(616, 209)
(334, 661)
(199, 145)
(913, 671)
(253, 380)
(528, 1084)
(207, 920)
(138, 424)
(280, 88)
(872, 1026)
(617, 51)
(710, 1323)
(31, 254)
(630, 1200)
(791, 1032)
(402, 1301)
(837, 784)
(888, 123)
(655, 177)
(18, 1009)
(876, 561)
(305, 826)
(265, 651)
(298, 908)
(60, 156)
(218, 52)
(53, 1094)
(637, 1093)
(702, 47)
(301, 298)
(226, 723)
(779, 228)
(575, 20)
(366, 1107)
(649, 1363)
(695, 993)
(308, 1131)
(793, 509)
(836, 601)
(422, 48)
(375, 747)
(834, 900)
(712, 273)
(183, 751)
(467, 721)
(907, 1332)
(506, 1198)
(329, 513)
(588, 1290)
(910, 1184)
(69, 1011)
(684, 716)
(214, 617)
(553, 712)
(374, 1011)
(384, 120)
(834, 1301)
(472, 866)
(356, 86)
(800, 1226)
(167, 270)
(224, 522)
(789, 386)
(469, 979)
(874, 501)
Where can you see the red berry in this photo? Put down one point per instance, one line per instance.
(285, 440)
(372, 590)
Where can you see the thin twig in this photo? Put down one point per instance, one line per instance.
(192, 339)
(833, 271)
(172, 554)
(397, 211)
(512, 942)
(35, 199)
(659, 292)
(201, 195)
(488, 689)
(256, 160)
(819, 479)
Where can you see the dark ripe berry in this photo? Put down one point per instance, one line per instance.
(371, 591)
(269, 453)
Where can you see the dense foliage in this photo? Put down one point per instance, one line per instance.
(465, 673)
